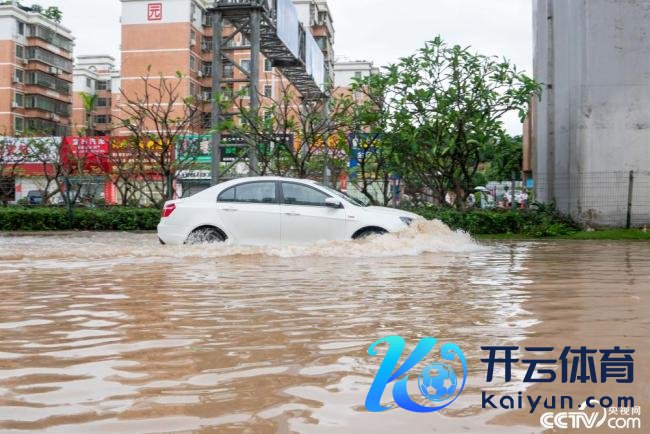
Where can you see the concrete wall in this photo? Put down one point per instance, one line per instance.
(592, 125)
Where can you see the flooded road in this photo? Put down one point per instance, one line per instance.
(114, 333)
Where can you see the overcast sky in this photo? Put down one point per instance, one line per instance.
(377, 30)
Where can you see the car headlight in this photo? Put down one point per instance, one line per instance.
(406, 220)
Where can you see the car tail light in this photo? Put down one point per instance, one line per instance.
(168, 210)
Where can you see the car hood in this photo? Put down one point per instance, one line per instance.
(392, 211)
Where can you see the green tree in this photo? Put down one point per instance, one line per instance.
(89, 101)
(370, 147)
(288, 133)
(53, 13)
(504, 158)
(445, 105)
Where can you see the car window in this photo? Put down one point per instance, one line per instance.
(254, 192)
(296, 194)
(228, 195)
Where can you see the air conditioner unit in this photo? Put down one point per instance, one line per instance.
(25, 61)
(15, 105)
(200, 74)
(193, 42)
(206, 96)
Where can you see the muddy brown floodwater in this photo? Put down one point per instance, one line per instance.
(113, 333)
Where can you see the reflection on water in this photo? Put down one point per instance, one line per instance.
(115, 333)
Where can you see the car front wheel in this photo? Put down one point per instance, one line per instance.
(367, 233)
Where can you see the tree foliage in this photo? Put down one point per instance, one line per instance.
(443, 106)
(289, 134)
(158, 120)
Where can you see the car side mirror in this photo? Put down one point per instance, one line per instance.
(332, 202)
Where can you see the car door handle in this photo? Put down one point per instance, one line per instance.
(230, 210)
(292, 214)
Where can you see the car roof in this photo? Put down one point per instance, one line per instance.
(269, 178)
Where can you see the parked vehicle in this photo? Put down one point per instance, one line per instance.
(273, 211)
(35, 197)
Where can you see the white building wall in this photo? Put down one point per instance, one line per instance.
(594, 116)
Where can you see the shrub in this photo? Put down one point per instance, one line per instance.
(92, 219)
(538, 222)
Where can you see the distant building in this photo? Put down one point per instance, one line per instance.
(346, 71)
(173, 36)
(95, 75)
(35, 73)
(315, 14)
(592, 125)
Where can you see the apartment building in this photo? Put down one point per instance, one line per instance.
(35, 73)
(346, 71)
(175, 36)
(316, 15)
(95, 75)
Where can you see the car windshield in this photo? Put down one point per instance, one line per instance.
(345, 196)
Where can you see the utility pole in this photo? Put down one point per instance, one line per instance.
(217, 76)
(254, 77)
(326, 169)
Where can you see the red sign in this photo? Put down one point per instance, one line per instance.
(90, 152)
(154, 11)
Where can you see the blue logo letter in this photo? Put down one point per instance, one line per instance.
(437, 381)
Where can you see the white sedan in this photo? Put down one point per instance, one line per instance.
(274, 211)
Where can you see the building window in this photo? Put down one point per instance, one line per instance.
(102, 85)
(206, 44)
(268, 91)
(19, 76)
(20, 51)
(103, 119)
(192, 89)
(192, 63)
(20, 27)
(228, 71)
(357, 74)
(19, 124)
(268, 67)
(103, 102)
(246, 65)
(206, 69)
(19, 99)
(89, 83)
(207, 19)
(192, 38)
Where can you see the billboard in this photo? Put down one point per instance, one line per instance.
(198, 149)
(29, 149)
(315, 61)
(91, 152)
(287, 23)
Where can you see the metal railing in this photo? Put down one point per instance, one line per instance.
(618, 199)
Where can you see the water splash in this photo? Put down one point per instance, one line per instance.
(422, 237)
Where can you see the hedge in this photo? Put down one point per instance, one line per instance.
(538, 222)
(86, 219)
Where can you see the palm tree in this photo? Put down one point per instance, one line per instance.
(89, 101)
